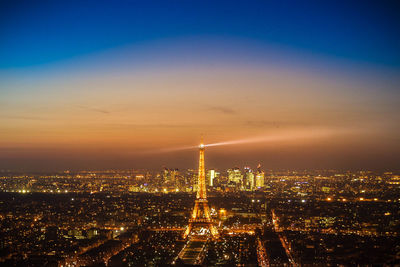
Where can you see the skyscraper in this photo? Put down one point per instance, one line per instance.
(235, 176)
(249, 183)
(211, 174)
(260, 176)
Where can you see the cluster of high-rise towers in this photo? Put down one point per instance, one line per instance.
(248, 180)
(235, 178)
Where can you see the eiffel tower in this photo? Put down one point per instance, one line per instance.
(200, 220)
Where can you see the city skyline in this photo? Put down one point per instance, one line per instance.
(97, 85)
(199, 133)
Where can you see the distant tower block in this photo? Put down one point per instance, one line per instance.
(200, 221)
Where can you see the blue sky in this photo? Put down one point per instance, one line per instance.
(40, 32)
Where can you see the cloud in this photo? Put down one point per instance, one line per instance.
(92, 109)
(222, 109)
(24, 118)
(262, 124)
(275, 124)
(155, 125)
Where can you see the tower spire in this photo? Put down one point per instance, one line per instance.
(201, 213)
(201, 180)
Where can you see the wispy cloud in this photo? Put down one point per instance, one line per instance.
(222, 109)
(151, 125)
(18, 117)
(274, 124)
(263, 123)
(95, 109)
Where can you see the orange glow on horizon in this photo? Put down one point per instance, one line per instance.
(241, 109)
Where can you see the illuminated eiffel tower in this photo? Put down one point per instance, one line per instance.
(201, 219)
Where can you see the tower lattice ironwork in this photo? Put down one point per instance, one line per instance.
(201, 218)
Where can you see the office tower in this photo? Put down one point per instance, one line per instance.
(249, 179)
(235, 176)
(260, 176)
(211, 174)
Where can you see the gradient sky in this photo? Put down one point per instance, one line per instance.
(121, 84)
